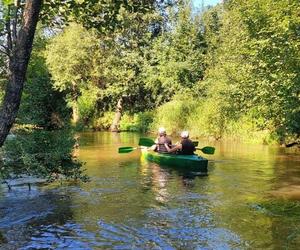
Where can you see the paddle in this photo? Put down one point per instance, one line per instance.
(124, 150)
(148, 142)
(207, 150)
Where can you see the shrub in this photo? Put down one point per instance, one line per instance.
(173, 115)
(104, 122)
(87, 102)
(207, 119)
(42, 153)
(139, 122)
(129, 123)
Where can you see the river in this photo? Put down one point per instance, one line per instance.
(250, 199)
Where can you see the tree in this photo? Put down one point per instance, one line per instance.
(100, 69)
(274, 32)
(41, 104)
(252, 62)
(70, 57)
(19, 27)
(176, 59)
(18, 49)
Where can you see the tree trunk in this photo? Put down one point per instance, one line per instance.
(116, 122)
(75, 112)
(18, 62)
(75, 109)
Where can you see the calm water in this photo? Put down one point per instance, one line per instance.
(248, 200)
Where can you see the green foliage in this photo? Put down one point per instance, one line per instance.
(139, 122)
(97, 69)
(144, 120)
(173, 115)
(207, 119)
(42, 153)
(233, 71)
(7, 2)
(41, 105)
(274, 32)
(176, 59)
(252, 65)
(103, 122)
(86, 12)
(69, 57)
(87, 102)
(129, 123)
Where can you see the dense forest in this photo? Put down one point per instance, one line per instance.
(228, 71)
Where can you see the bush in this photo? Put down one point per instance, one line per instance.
(86, 103)
(145, 120)
(207, 119)
(43, 154)
(139, 122)
(129, 123)
(174, 115)
(104, 122)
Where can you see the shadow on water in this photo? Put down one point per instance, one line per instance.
(22, 211)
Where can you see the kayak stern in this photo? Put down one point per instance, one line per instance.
(190, 162)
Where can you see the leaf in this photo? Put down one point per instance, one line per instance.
(8, 2)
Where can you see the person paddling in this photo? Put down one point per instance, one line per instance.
(185, 147)
(161, 141)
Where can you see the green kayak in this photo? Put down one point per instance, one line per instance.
(190, 162)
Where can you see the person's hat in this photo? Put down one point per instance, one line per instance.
(161, 130)
(184, 134)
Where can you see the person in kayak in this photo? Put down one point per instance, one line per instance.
(185, 147)
(161, 141)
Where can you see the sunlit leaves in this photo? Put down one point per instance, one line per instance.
(253, 60)
(7, 2)
(176, 59)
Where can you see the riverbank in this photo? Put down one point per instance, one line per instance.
(178, 116)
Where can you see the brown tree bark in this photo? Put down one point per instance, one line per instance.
(18, 61)
(116, 122)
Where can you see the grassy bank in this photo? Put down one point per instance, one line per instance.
(203, 119)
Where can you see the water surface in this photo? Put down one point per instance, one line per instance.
(248, 200)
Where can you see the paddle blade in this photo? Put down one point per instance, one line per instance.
(207, 150)
(124, 150)
(146, 142)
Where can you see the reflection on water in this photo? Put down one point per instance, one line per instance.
(133, 204)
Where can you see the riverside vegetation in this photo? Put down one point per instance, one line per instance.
(232, 70)
(226, 71)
